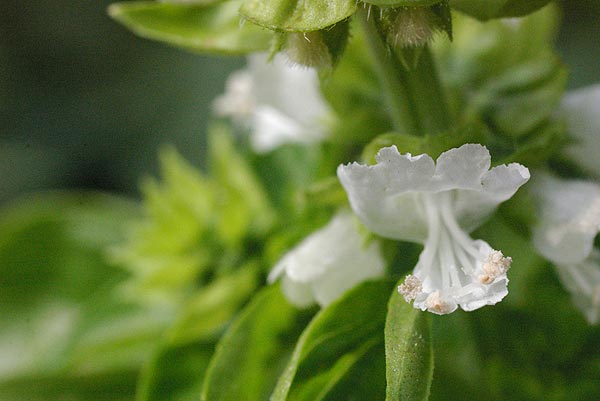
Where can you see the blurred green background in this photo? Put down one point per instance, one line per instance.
(86, 104)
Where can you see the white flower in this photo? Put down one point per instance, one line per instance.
(279, 103)
(569, 222)
(327, 263)
(412, 198)
(581, 111)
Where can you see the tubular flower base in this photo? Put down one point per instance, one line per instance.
(568, 225)
(327, 263)
(413, 198)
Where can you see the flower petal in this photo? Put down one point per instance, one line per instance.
(327, 263)
(384, 196)
(583, 281)
(499, 184)
(569, 220)
(581, 110)
(462, 168)
(279, 103)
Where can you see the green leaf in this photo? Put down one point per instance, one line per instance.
(487, 9)
(252, 353)
(297, 16)
(408, 351)
(205, 27)
(52, 247)
(342, 380)
(340, 329)
(67, 332)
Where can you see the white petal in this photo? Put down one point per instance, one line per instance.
(583, 281)
(384, 196)
(462, 168)
(277, 102)
(581, 110)
(299, 294)
(499, 184)
(327, 263)
(569, 219)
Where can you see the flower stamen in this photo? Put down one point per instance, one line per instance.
(411, 287)
(496, 265)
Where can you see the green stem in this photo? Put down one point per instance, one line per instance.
(394, 82)
(414, 96)
(428, 95)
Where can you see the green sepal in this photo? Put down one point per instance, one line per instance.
(203, 27)
(488, 9)
(297, 16)
(408, 351)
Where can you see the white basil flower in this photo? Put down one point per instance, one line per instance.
(327, 263)
(581, 111)
(277, 102)
(569, 222)
(413, 198)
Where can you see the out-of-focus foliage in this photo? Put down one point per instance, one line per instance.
(62, 330)
(196, 225)
(506, 74)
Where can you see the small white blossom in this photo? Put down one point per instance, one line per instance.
(569, 222)
(581, 111)
(277, 102)
(413, 198)
(327, 263)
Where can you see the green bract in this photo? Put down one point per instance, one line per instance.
(487, 9)
(209, 26)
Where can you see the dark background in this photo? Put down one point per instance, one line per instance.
(86, 104)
